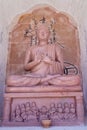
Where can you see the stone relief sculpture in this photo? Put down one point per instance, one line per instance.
(43, 79)
(44, 63)
(59, 112)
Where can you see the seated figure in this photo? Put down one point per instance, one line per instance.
(44, 64)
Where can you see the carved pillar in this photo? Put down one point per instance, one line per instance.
(80, 109)
(7, 104)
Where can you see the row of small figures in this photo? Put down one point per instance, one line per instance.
(26, 112)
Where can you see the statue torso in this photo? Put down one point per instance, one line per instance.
(39, 52)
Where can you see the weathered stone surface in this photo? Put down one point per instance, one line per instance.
(75, 8)
(45, 72)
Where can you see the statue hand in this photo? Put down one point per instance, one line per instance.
(47, 60)
(38, 61)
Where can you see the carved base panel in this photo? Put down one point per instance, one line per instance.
(29, 109)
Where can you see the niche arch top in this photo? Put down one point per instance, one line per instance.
(61, 25)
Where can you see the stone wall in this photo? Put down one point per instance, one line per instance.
(10, 9)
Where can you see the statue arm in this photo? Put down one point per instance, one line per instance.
(28, 64)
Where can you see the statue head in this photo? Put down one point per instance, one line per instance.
(42, 32)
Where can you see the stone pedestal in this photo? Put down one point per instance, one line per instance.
(61, 106)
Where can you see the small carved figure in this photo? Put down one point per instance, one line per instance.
(34, 107)
(27, 106)
(66, 111)
(52, 111)
(18, 117)
(60, 111)
(22, 108)
(18, 111)
(72, 111)
(43, 114)
(31, 110)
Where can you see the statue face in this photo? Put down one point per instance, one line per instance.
(43, 32)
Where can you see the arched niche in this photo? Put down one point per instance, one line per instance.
(65, 31)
